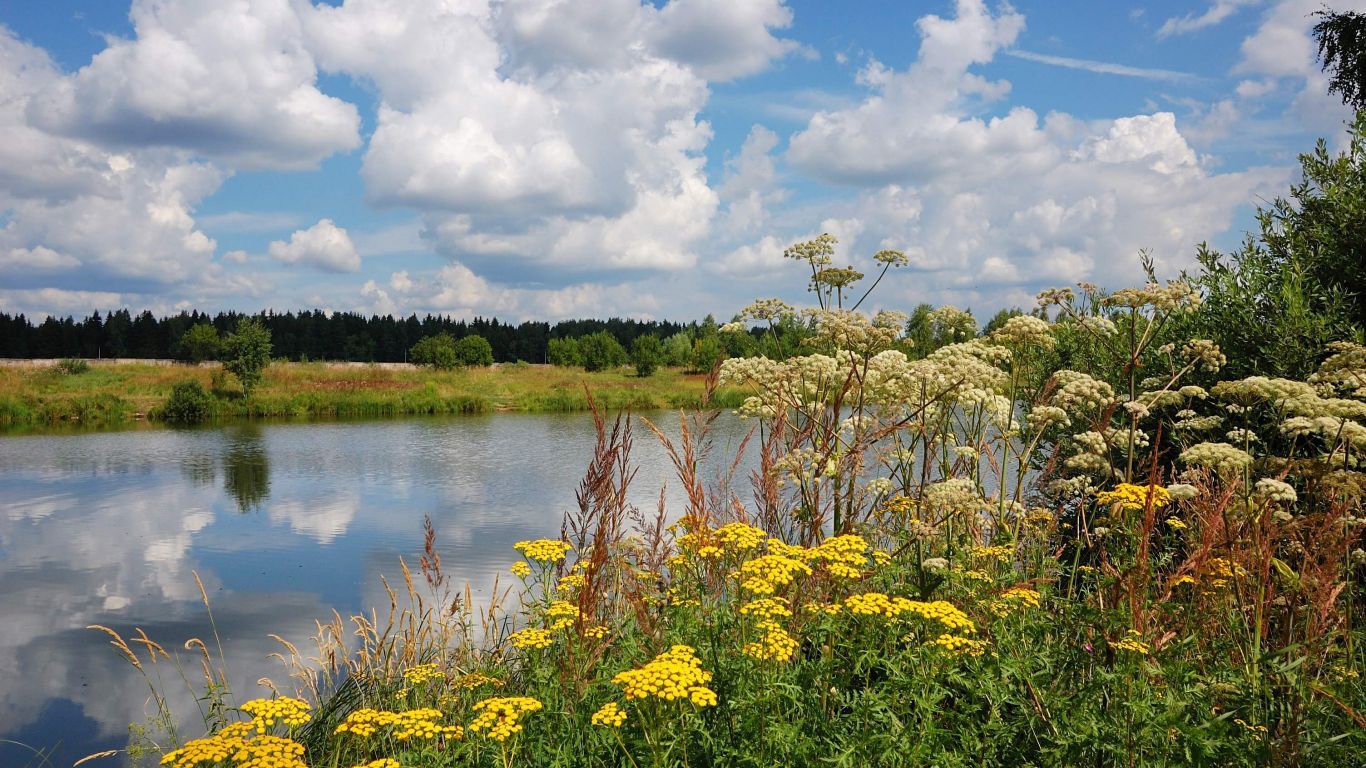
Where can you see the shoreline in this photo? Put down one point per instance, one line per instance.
(39, 398)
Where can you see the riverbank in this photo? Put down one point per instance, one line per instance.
(39, 397)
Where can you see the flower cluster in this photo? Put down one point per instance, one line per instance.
(240, 746)
(532, 638)
(422, 673)
(1129, 496)
(1132, 642)
(764, 575)
(500, 718)
(267, 712)
(675, 674)
(543, 550)
(410, 724)
(960, 646)
(766, 608)
(610, 715)
(879, 604)
(775, 644)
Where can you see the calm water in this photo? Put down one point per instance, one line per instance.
(282, 522)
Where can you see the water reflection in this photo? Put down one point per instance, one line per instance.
(110, 529)
(246, 470)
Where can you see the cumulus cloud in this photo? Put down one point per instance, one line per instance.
(564, 135)
(990, 208)
(230, 81)
(324, 245)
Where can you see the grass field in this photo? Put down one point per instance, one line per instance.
(104, 396)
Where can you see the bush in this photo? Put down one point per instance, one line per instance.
(564, 352)
(188, 404)
(646, 354)
(73, 366)
(601, 351)
(473, 350)
(437, 351)
(246, 353)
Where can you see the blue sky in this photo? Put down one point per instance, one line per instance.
(538, 159)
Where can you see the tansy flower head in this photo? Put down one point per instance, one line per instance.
(543, 550)
(675, 674)
(532, 638)
(267, 712)
(609, 715)
(1130, 496)
(520, 569)
(500, 718)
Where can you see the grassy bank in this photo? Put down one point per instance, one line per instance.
(118, 395)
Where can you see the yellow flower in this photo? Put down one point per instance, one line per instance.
(740, 536)
(960, 646)
(596, 632)
(671, 676)
(476, 679)
(238, 747)
(775, 644)
(878, 604)
(520, 569)
(266, 712)
(532, 638)
(610, 715)
(411, 724)
(1001, 553)
(1130, 496)
(543, 550)
(766, 608)
(383, 762)
(763, 575)
(1176, 523)
(422, 673)
(501, 717)
(1014, 598)
(1132, 642)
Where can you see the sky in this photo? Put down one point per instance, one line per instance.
(546, 159)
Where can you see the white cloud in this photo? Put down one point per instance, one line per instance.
(324, 245)
(564, 135)
(1101, 67)
(990, 208)
(1216, 13)
(230, 81)
(722, 39)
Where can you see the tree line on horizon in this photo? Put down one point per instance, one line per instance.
(306, 335)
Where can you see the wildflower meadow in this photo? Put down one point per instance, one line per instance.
(1068, 541)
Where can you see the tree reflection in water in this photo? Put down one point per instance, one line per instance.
(246, 470)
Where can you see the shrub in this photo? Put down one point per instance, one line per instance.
(73, 366)
(437, 351)
(601, 351)
(473, 350)
(187, 404)
(246, 353)
(564, 352)
(646, 354)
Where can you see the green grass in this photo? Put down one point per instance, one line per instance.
(33, 398)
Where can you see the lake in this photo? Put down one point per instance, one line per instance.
(283, 523)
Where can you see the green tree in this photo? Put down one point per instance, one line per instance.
(564, 352)
(706, 353)
(437, 351)
(647, 352)
(474, 350)
(678, 349)
(1299, 282)
(246, 353)
(201, 342)
(1342, 49)
(601, 351)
